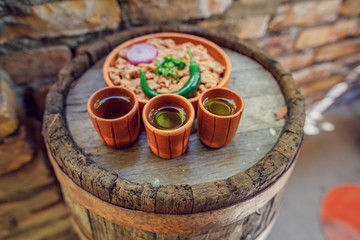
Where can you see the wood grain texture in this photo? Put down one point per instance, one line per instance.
(79, 213)
(262, 85)
(249, 227)
(168, 223)
(199, 164)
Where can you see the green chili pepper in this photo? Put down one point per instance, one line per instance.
(146, 89)
(188, 90)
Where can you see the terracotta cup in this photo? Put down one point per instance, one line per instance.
(168, 143)
(117, 132)
(217, 131)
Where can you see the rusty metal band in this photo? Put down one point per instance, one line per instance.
(169, 223)
(84, 235)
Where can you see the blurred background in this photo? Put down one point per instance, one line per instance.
(318, 40)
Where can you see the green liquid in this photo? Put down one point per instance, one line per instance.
(220, 106)
(167, 118)
(112, 107)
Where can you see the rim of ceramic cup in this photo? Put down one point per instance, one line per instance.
(129, 92)
(189, 119)
(238, 109)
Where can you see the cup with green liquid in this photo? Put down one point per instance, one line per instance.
(218, 116)
(168, 119)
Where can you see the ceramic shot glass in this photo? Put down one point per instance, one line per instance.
(217, 131)
(168, 143)
(117, 132)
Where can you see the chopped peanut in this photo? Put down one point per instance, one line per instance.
(127, 75)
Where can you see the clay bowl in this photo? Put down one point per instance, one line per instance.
(168, 143)
(214, 50)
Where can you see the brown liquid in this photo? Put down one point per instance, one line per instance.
(112, 107)
(220, 106)
(167, 118)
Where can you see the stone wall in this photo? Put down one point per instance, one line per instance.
(31, 206)
(318, 40)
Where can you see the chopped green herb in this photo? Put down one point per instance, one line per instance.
(180, 63)
(166, 67)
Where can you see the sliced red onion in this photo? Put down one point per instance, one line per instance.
(141, 53)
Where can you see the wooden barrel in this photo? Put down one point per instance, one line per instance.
(227, 193)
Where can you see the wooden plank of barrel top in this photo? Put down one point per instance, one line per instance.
(227, 193)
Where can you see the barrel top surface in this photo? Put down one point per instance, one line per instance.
(256, 136)
(202, 179)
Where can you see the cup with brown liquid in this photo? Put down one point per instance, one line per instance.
(218, 116)
(168, 119)
(115, 114)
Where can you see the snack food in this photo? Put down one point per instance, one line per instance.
(125, 74)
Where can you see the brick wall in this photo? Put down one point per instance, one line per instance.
(318, 40)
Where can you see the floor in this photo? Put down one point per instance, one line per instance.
(326, 160)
